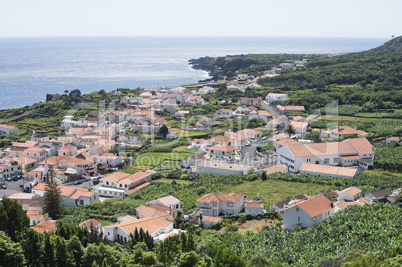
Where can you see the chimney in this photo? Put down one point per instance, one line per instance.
(46, 217)
(258, 196)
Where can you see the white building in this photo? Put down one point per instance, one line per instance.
(37, 153)
(334, 153)
(168, 202)
(219, 167)
(253, 208)
(108, 159)
(273, 98)
(72, 196)
(222, 152)
(331, 171)
(224, 114)
(308, 213)
(206, 90)
(349, 194)
(250, 133)
(209, 220)
(216, 204)
(158, 228)
(7, 129)
(120, 184)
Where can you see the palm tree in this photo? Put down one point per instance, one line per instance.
(290, 130)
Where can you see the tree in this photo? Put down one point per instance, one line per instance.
(314, 136)
(31, 242)
(11, 254)
(13, 218)
(75, 92)
(290, 130)
(53, 203)
(188, 259)
(91, 255)
(264, 176)
(63, 257)
(49, 254)
(164, 130)
(74, 246)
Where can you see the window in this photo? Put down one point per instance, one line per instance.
(214, 204)
(308, 160)
(230, 204)
(298, 218)
(326, 160)
(297, 209)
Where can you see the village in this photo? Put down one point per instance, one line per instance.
(87, 162)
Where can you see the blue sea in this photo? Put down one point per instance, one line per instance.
(32, 67)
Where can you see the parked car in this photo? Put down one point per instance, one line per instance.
(96, 181)
(78, 182)
(4, 186)
(27, 190)
(8, 179)
(15, 178)
(21, 185)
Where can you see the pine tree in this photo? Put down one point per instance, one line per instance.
(74, 246)
(31, 242)
(13, 218)
(49, 251)
(53, 202)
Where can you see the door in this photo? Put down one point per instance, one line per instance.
(215, 213)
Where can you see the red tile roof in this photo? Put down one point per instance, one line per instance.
(316, 206)
(211, 197)
(90, 223)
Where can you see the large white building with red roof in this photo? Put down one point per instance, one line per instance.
(215, 204)
(350, 152)
(120, 184)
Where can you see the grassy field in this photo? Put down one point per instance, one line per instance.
(153, 159)
(351, 118)
(184, 149)
(381, 172)
(180, 132)
(274, 189)
(253, 225)
(105, 222)
(165, 180)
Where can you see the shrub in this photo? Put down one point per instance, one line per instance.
(232, 228)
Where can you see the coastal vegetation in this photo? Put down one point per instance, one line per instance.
(367, 89)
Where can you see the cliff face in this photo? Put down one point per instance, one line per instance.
(392, 46)
(205, 64)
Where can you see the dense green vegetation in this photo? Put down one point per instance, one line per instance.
(389, 157)
(188, 193)
(369, 228)
(366, 182)
(369, 80)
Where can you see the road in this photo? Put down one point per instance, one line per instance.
(250, 155)
(12, 187)
(276, 115)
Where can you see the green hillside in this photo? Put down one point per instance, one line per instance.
(392, 46)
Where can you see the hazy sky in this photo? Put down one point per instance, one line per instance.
(309, 18)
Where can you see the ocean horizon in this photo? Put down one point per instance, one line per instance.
(31, 67)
